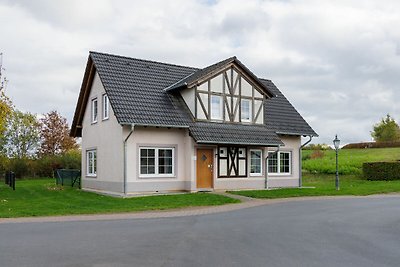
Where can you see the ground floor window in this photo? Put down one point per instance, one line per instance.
(279, 163)
(255, 162)
(91, 162)
(156, 161)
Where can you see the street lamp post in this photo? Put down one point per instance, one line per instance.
(336, 143)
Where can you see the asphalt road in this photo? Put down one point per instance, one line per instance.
(338, 232)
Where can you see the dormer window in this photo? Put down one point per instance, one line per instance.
(216, 107)
(245, 107)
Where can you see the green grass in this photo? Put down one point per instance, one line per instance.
(325, 186)
(350, 160)
(43, 198)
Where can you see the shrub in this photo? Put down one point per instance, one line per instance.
(381, 170)
(317, 154)
(43, 166)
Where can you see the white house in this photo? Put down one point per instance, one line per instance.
(153, 127)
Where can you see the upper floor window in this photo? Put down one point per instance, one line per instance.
(105, 107)
(245, 106)
(216, 107)
(94, 110)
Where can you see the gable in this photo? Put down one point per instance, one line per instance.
(234, 90)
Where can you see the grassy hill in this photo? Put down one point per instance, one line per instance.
(350, 160)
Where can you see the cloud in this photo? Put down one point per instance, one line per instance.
(336, 61)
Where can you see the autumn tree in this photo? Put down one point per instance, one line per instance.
(387, 130)
(54, 135)
(22, 135)
(6, 107)
(6, 110)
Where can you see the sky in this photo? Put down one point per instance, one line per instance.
(338, 62)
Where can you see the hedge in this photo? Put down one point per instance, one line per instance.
(381, 170)
(372, 145)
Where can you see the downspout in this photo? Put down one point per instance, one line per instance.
(266, 166)
(300, 161)
(125, 159)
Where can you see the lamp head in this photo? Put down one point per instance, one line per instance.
(336, 143)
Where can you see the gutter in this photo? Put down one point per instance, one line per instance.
(125, 159)
(266, 165)
(300, 161)
(156, 125)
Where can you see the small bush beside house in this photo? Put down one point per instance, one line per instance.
(381, 170)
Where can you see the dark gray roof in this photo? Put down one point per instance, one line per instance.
(135, 89)
(281, 116)
(136, 92)
(198, 74)
(228, 133)
(192, 78)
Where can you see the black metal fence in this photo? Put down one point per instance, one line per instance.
(68, 177)
(10, 179)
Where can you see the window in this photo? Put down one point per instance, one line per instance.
(216, 107)
(255, 162)
(279, 163)
(94, 110)
(105, 107)
(245, 106)
(156, 162)
(91, 162)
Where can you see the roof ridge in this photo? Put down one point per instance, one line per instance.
(143, 60)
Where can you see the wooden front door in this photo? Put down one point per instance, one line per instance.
(204, 173)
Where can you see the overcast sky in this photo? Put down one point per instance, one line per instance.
(338, 62)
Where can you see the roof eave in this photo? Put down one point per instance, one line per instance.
(82, 99)
(241, 143)
(155, 125)
(297, 134)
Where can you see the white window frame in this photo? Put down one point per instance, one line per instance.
(241, 110)
(156, 164)
(93, 172)
(279, 173)
(212, 115)
(261, 163)
(94, 110)
(106, 107)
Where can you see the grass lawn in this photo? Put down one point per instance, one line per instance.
(325, 186)
(350, 160)
(43, 198)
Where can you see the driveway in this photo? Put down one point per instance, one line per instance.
(329, 232)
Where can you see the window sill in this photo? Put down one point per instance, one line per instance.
(279, 174)
(106, 119)
(93, 122)
(156, 176)
(91, 176)
(255, 174)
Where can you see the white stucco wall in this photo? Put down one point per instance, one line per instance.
(179, 139)
(292, 144)
(106, 137)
